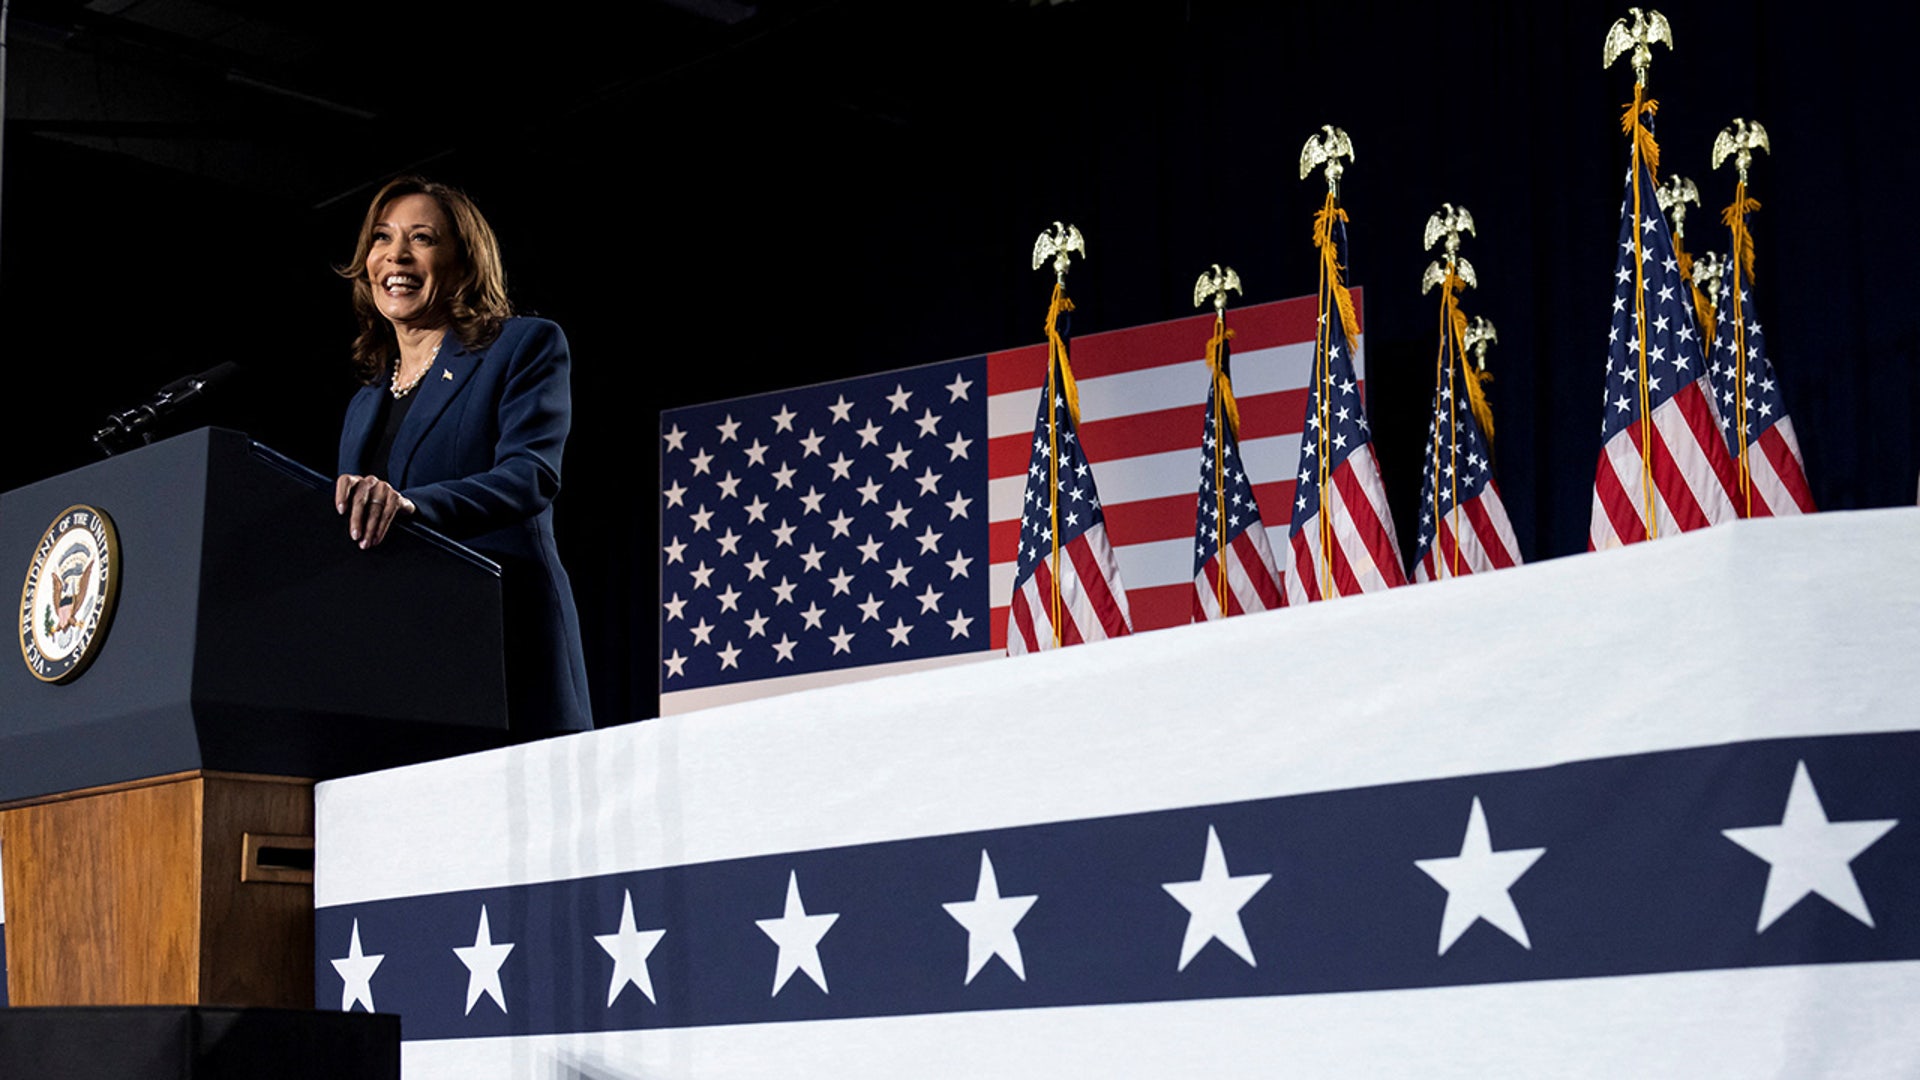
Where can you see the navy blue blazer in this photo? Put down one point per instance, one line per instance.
(479, 455)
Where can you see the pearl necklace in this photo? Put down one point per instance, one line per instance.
(398, 391)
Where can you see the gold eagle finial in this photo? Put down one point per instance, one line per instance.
(1446, 224)
(1648, 27)
(1215, 284)
(1740, 139)
(1480, 334)
(1057, 243)
(1707, 271)
(1326, 151)
(1674, 195)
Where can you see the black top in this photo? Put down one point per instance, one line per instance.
(393, 413)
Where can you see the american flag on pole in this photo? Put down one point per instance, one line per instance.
(1464, 527)
(770, 477)
(1341, 540)
(1066, 585)
(1233, 566)
(1753, 415)
(1663, 466)
(1143, 394)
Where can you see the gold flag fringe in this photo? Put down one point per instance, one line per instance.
(1645, 152)
(1227, 414)
(1735, 219)
(1222, 386)
(1642, 135)
(1702, 301)
(1476, 379)
(1057, 350)
(1335, 273)
(1060, 377)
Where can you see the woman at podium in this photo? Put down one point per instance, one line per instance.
(460, 427)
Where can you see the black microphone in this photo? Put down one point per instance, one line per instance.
(123, 429)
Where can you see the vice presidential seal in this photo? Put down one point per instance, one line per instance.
(67, 601)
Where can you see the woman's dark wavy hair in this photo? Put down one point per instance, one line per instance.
(478, 306)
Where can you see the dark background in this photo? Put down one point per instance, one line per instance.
(717, 198)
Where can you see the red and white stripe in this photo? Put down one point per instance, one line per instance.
(1778, 473)
(1366, 554)
(1486, 539)
(1093, 599)
(1142, 398)
(1695, 483)
(1253, 578)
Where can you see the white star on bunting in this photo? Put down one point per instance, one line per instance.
(798, 935)
(1213, 902)
(1477, 881)
(483, 959)
(1808, 854)
(356, 973)
(989, 919)
(629, 948)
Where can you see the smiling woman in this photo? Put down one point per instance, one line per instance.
(461, 425)
(408, 261)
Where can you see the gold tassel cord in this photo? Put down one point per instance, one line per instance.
(1057, 349)
(1053, 495)
(1059, 381)
(1645, 152)
(1215, 345)
(1331, 268)
(1702, 302)
(1226, 418)
(1706, 312)
(1735, 217)
(1456, 333)
(1333, 295)
(1477, 400)
(1322, 376)
(1643, 143)
(1476, 380)
(1440, 368)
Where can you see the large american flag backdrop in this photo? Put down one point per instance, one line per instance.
(871, 526)
(1173, 855)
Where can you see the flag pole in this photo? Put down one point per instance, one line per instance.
(1334, 301)
(1452, 272)
(1648, 27)
(1059, 243)
(1215, 361)
(1451, 312)
(1220, 400)
(1739, 140)
(1329, 276)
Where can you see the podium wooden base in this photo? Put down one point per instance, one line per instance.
(176, 890)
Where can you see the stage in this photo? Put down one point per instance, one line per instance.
(1633, 812)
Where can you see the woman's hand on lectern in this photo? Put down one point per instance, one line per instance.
(370, 504)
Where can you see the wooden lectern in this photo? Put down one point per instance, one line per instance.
(156, 811)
